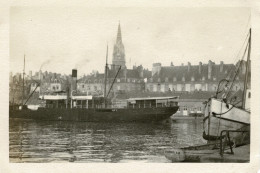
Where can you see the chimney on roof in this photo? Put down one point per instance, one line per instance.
(40, 75)
(200, 67)
(221, 66)
(209, 69)
(30, 74)
(140, 70)
(156, 68)
(189, 66)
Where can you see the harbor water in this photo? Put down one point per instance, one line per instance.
(62, 141)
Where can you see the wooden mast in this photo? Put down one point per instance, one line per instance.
(23, 78)
(105, 88)
(247, 68)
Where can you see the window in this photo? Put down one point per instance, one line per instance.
(192, 78)
(174, 79)
(249, 95)
(128, 80)
(166, 79)
(100, 80)
(89, 81)
(203, 78)
(53, 87)
(159, 80)
(133, 80)
(118, 80)
(57, 87)
(151, 80)
(95, 88)
(183, 78)
(151, 87)
(82, 86)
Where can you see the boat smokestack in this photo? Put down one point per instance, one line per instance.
(74, 80)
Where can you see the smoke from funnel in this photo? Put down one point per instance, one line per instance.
(45, 63)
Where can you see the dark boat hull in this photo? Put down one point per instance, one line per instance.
(96, 115)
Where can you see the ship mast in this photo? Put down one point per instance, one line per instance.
(105, 88)
(23, 78)
(247, 68)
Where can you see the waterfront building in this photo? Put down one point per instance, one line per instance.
(191, 78)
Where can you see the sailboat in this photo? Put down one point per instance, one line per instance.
(224, 120)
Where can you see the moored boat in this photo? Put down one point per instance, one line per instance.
(229, 113)
(56, 110)
(226, 122)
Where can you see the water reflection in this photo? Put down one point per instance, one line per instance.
(49, 141)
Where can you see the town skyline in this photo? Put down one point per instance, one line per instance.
(158, 44)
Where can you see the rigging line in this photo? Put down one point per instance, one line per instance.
(246, 38)
(245, 31)
(240, 63)
(237, 56)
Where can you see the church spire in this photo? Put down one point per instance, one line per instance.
(119, 36)
(119, 50)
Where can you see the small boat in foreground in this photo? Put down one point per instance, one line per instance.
(191, 153)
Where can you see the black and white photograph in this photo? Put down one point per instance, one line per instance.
(131, 84)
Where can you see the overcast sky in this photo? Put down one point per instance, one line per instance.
(59, 39)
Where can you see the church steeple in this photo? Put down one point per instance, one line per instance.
(119, 50)
(119, 36)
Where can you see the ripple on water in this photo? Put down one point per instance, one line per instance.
(46, 141)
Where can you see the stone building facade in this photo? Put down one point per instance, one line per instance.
(191, 78)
